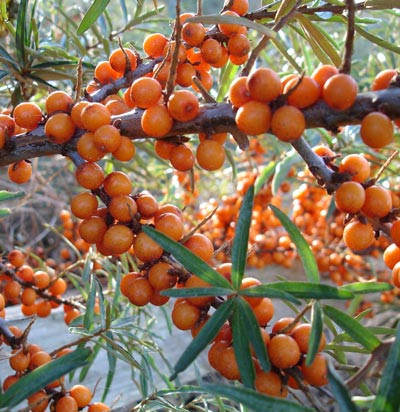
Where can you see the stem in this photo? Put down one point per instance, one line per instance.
(349, 45)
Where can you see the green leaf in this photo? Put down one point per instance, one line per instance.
(207, 333)
(241, 238)
(94, 12)
(20, 35)
(6, 57)
(241, 346)
(254, 400)
(254, 334)
(190, 292)
(188, 259)
(267, 291)
(5, 212)
(42, 376)
(353, 328)
(4, 195)
(242, 21)
(309, 263)
(316, 332)
(308, 290)
(367, 287)
(284, 8)
(282, 169)
(340, 392)
(387, 398)
(89, 313)
(377, 40)
(265, 174)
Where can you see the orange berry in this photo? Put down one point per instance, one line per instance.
(317, 373)
(238, 93)
(391, 255)
(253, 117)
(282, 323)
(123, 208)
(38, 401)
(201, 246)
(95, 115)
(185, 315)
(147, 205)
(107, 138)
(125, 151)
(20, 172)
(322, 73)
(376, 130)
(340, 91)
(350, 197)
(211, 50)
(206, 80)
(264, 311)
(87, 148)
(169, 51)
(249, 282)
(92, 229)
(283, 351)
(288, 123)
(104, 73)
(184, 74)
(118, 60)
(146, 92)
(156, 121)
(66, 404)
(240, 7)
(196, 282)
(43, 309)
(12, 289)
(358, 236)
(41, 279)
(378, 201)
(76, 113)
(301, 334)
(89, 175)
(82, 395)
(58, 101)
(71, 315)
(383, 79)
(160, 278)
(146, 249)
(58, 287)
(84, 205)
(396, 275)
(16, 257)
(395, 232)
(7, 123)
(193, 33)
(170, 224)
(118, 239)
(163, 148)
(268, 383)
(302, 92)
(210, 155)
(228, 366)
(239, 45)
(183, 105)
(357, 166)
(19, 360)
(182, 158)
(117, 183)
(39, 358)
(264, 85)
(154, 44)
(141, 291)
(59, 128)
(229, 29)
(27, 115)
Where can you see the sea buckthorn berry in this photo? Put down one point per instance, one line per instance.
(92, 229)
(395, 232)
(147, 205)
(117, 107)
(19, 360)
(322, 73)
(98, 407)
(25, 272)
(58, 287)
(196, 282)
(160, 277)
(249, 282)
(238, 93)
(350, 197)
(58, 101)
(376, 130)
(229, 29)
(146, 249)
(28, 296)
(66, 404)
(157, 299)
(391, 255)
(82, 395)
(104, 73)
(163, 148)
(185, 315)
(183, 105)
(27, 115)
(302, 91)
(182, 157)
(378, 201)
(396, 275)
(253, 117)
(238, 60)
(357, 166)
(200, 245)
(84, 205)
(282, 325)
(89, 175)
(264, 311)
(193, 33)
(127, 282)
(288, 123)
(215, 351)
(170, 224)
(169, 51)
(39, 358)
(87, 148)
(3, 137)
(16, 257)
(41, 279)
(95, 115)
(43, 309)
(119, 57)
(358, 236)
(268, 383)
(184, 74)
(206, 80)
(117, 183)
(146, 92)
(71, 315)
(301, 334)
(76, 113)
(123, 208)
(317, 373)
(126, 150)
(8, 123)
(156, 121)
(239, 45)
(217, 137)
(323, 151)
(12, 290)
(383, 79)
(228, 366)
(211, 50)
(224, 58)
(59, 128)
(20, 172)
(240, 7)
(107, 138)
(264, 85)
(168, 208)
(118, 239)
(340, 91)
(283, 351)
(210, 155)
(9, 381)
(154, 44)
(38, 401)
(197, 60)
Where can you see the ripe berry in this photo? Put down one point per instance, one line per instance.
(126, 150)
(391, 255)
(229, 29)
(288, 123)
(350, 197)
(123, 208)
(322, 73)
(184, 314)
(92, 229)
(283, 351)
(89, 175)
(104, 73)
(119, 57)
(107, 138)
(170, 224)
(82, 395)
(253, 117)
(201, 246)
(268, 383)
(95, 115)
(154, 44)
(58, 101)
(376, 130)
(156, 121)
(193, 33)
(210, 155)
(302, 92)
(383, 79)
(183, 105)
(146, 92)
(238, 93)
(264, 85)
(66, 404)
(182, 158)
(340, 91)
(84, 205)
(317, 373)
(117, 183)
(20, 172)
(358, 236)
(357, 166)
(159, 276)
(27, 115)
(118, 239)
(146, 249)
(378, 201)
(59, 128)
(301, 334)
(211, 50)
(147, 205)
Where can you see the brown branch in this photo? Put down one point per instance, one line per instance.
(349, 44)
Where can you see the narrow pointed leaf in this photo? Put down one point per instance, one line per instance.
(5, 212)
(282, 169)
(377, 40)
(340, 392)
(316, 332)
(4, 195)
(267, 291)
(254, 400)
(188, 259)
(266, 173)
(303, 249)
(353, 328)
(89, 313)
(254, 335)
(241, 239)
(308, 290)
(94, 12)
(366, 287)
(190, 292)
(207, 333)
(388, 399)
(241, 346)
(285, 7)
(20, 34)
(42, 376)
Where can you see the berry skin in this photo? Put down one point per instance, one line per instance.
(170, 224)
(117, 183)
(357, 166)
(84, 205)
(229, 29)
(383, 79)
(185, 315)
(211, 51)
(253, 117)
(303, 92)
(283, 351)
(27, 115)
(183, 105)
(66, 404)
(119, 57)
(395, 232)
(59, 128)
(126, 150)
(350, 197)
(95, 115)
(146, 249)
(391, 255)
(82, 395)
(301, 334)
(264, 85)
(317, 373)
(146, 92)
(182, 158)
(340, 91)
(268, 383)
(104, 73)
(89, 175)
(193, 33)
(322, 73)
(200, 245)
(288, 123)
(58, 101)
(38, 401)
(147, 205)
(92, 229)
(20, 172)
(123, 208)
(156, 121)
(210, 155)
(376, 130)
(358, 236)
(107, 138)
(238, 93)
(159, 276)
(118, 239)
(378, 201)
(154, 44)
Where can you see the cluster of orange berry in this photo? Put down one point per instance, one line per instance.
(26, 357)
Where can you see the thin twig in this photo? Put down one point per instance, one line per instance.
(349, 45)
